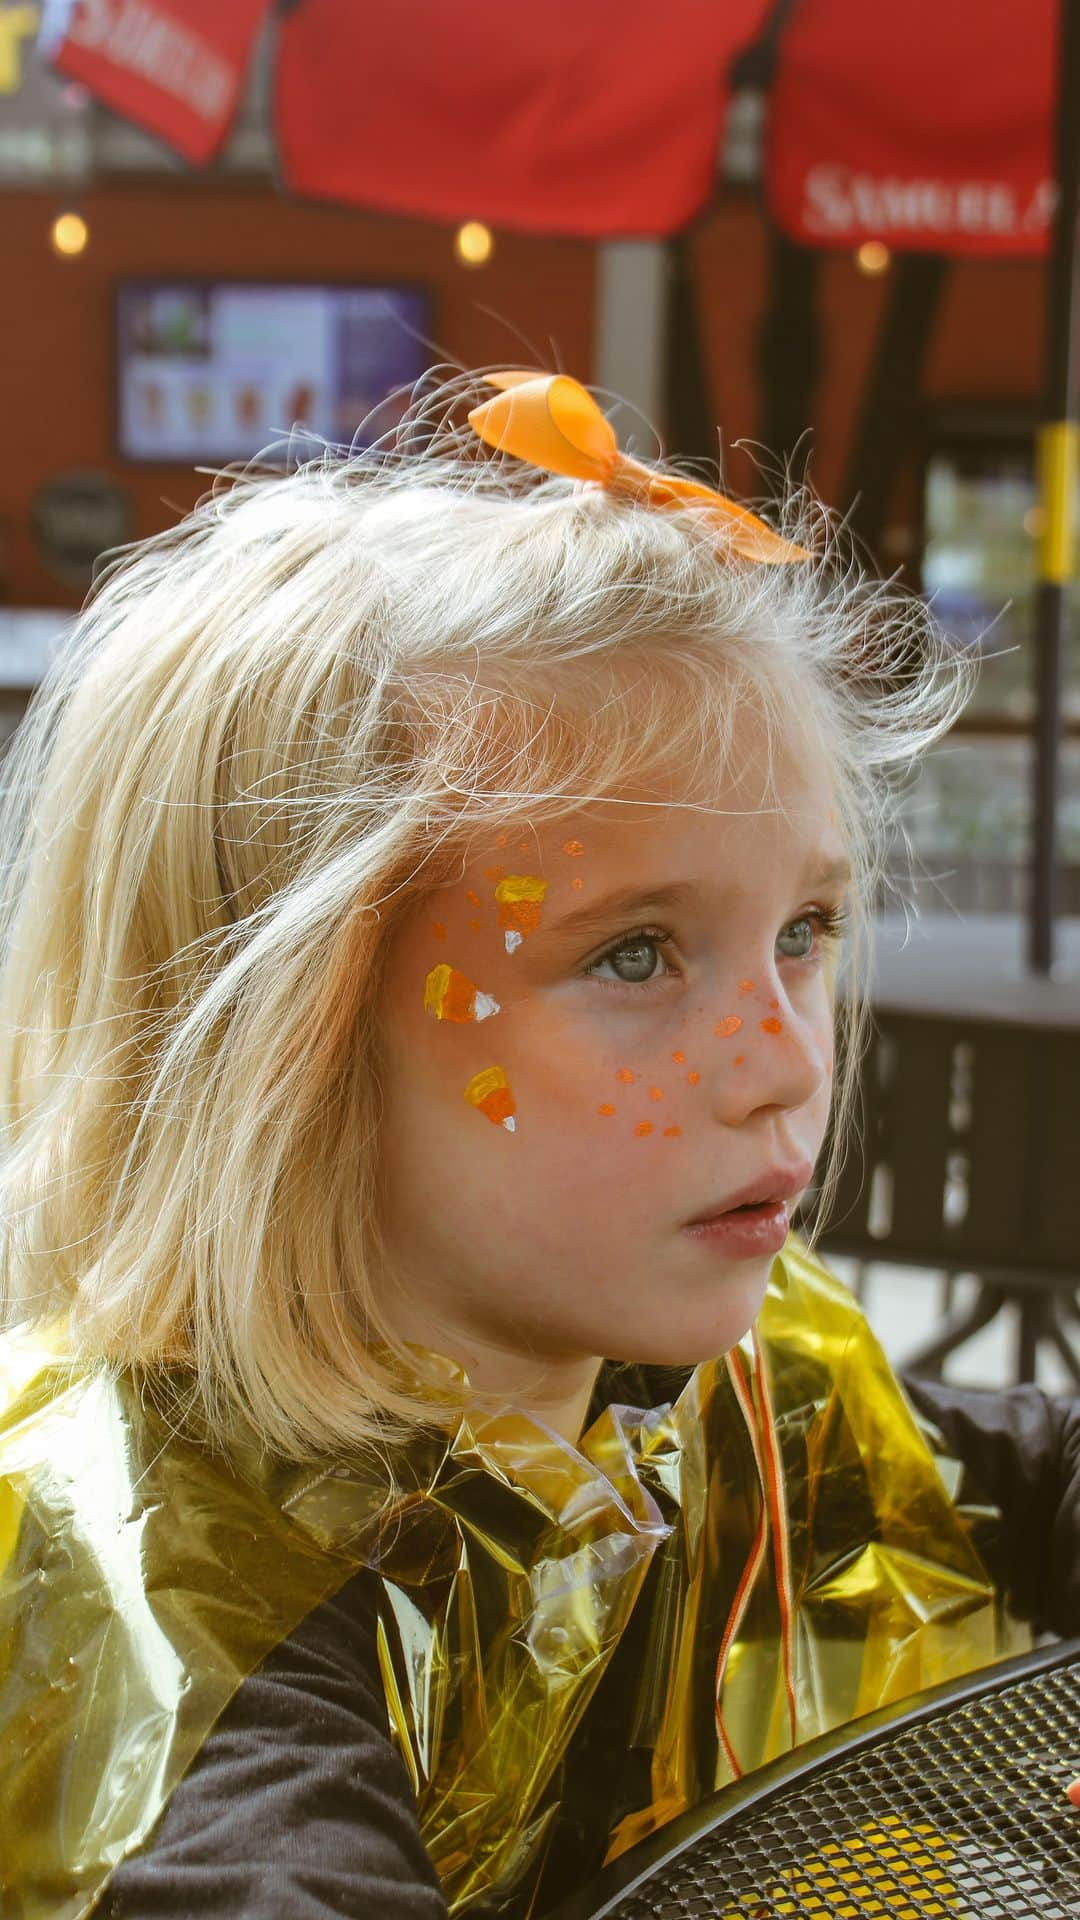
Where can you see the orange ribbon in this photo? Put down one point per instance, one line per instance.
(554, 423)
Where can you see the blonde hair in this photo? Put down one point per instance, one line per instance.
(273, 725)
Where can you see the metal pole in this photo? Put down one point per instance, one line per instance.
(1057, 452)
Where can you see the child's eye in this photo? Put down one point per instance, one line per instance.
(633, 959)
(819, 926)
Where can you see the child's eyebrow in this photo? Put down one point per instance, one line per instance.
(626, 901)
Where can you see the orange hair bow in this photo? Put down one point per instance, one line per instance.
(554, 423)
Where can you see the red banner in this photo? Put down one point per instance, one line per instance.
(175, 67)
(926, 125)
(594, 118)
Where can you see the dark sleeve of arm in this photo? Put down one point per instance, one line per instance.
(298, 1806)
(1022, 1449)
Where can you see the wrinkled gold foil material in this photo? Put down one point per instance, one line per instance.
(143, 1578)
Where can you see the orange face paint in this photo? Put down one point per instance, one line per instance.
(494, 873)
(746, 986)
(693, 1078)
(577, 884)
(520, 897)
(626, 1075)
(655, 1093)
(448, 995)
(607, 1110)
(574, 848)
(489, 1092)
(672, 1133)
(774, 1004)
(438, 929)
(472, 897)
(727, 1026)
(772, 1026)
(739, 1059)
(679, 1058)
(643, 1128)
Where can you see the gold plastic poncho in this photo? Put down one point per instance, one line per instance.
(776, 1551)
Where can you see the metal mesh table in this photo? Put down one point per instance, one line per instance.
(947, 1805)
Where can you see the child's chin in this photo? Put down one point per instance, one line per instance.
(688, 1340)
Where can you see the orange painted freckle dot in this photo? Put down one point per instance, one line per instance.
(577, 884)
(772, 1026)
(655, 1093)
(438, 929)
(739, 1059)
(746, 986)
(774, 1004)
(672, 1133)
(607, 1109)
(494, 873)
(693, 1078)
(574, 848)
(643, 1127)
(625, 1075)
(678, 1058)
(502, 840)
(472, 897)
(728, 1025)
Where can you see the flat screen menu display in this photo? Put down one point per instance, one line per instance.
(222, 370)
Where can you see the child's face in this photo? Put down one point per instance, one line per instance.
(659, 1058)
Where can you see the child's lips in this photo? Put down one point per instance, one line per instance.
(744, 1233)
(777, 1185)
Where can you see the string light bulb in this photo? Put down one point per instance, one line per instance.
(69, 235)
(873, 257)
(474, 244)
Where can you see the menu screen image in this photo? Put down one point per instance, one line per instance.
(220, 370)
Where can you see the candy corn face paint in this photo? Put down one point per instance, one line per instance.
(489, 1092)
(529, 1251)
(520, 897)
(727, 1026)
(448, 995)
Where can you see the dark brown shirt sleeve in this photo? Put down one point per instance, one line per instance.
(298, 1806)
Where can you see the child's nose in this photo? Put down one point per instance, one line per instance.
(775, 1060)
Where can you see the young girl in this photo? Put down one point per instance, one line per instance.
(428, 1462)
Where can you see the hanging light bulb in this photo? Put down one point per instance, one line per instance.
(474, 244)
(69, 235)
(873, 257)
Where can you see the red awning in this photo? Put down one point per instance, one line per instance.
(175, 67)
(927, 125)
(593, 119)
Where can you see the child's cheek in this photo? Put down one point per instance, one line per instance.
(604, 1099)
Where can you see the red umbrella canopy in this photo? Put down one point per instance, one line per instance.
(175, 67)
(594, 119)
(927, 125)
